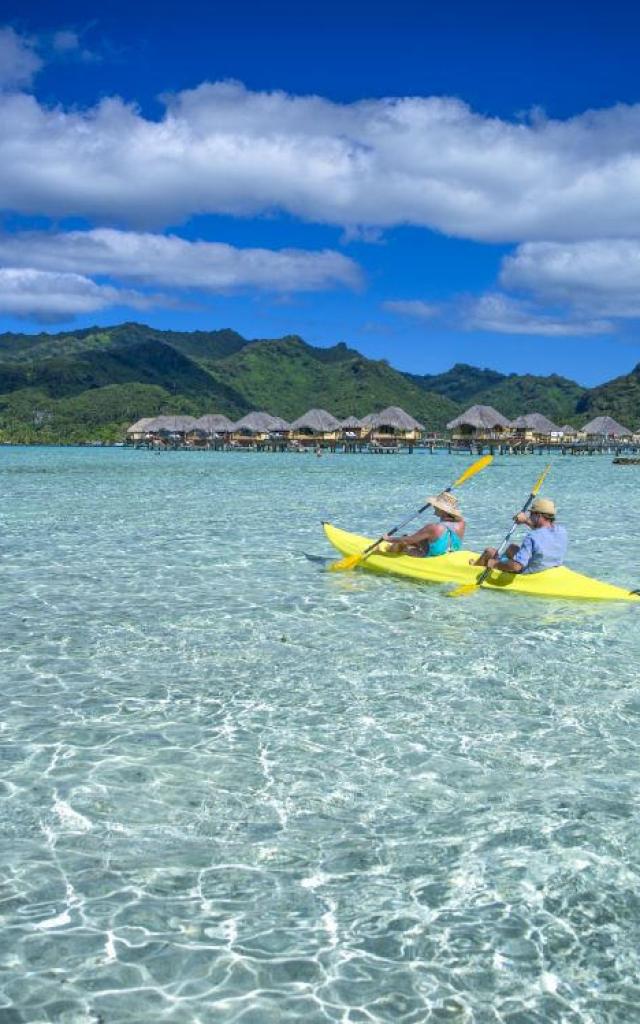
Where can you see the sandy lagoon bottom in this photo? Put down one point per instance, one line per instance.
(237, 788)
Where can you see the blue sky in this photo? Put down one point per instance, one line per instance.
(428, 185)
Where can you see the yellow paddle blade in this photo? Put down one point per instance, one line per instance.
(463, 591)
(349, 562)
(482, 463)
(541, 479)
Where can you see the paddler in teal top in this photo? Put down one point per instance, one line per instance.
(544, 548)
(434, 538)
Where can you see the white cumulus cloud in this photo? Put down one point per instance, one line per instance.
(415, 308)
(19, 61)
(426, 161)
(602, 275)
(502, 314)
(52, 297)
(172, 261)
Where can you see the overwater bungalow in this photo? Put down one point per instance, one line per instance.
(258, 428)
(568, 432)
(481, 422)
(393, 426)
(536, 427)
(139, 430)
(317, 426)
(352, 429)
(604, 427)
(170, 429)
(215, 423)
(212, 429)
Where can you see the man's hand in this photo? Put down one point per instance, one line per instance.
(522, 518)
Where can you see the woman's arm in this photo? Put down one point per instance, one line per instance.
(426, 533)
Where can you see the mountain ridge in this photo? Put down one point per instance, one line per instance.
(91, 383)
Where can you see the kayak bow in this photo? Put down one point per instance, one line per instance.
(455, 568)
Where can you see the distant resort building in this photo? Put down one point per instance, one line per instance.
(536, 427)
(393, 425)
(258, 427)
(211, 431)
(568, 432)
(215, 425)
(352, 429)
(390, 429)
(171, 428)
(139, 430)
(481, 422)
(605, 427)
(316, 426)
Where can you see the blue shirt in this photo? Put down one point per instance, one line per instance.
(544, 548)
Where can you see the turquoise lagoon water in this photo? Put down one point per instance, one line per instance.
(238, 788)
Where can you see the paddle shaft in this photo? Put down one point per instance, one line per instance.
(503, 547)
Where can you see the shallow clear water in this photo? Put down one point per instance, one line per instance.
(236, 787)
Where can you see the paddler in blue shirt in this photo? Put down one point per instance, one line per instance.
(434, 538)
(544, 548)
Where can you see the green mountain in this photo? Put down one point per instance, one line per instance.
(512, 394)
(91, 383)
(288, 377)
(461, 383)
(619, 398)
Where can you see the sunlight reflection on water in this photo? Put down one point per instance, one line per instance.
(239, 788)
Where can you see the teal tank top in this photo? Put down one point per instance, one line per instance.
(449, 541)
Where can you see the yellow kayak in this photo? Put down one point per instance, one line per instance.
(455, 568)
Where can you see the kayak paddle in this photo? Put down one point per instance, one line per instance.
(351, 561)
(468, 588)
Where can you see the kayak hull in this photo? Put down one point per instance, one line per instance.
(560, 583)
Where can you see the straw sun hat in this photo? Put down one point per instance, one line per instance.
(544, 505)
(446, 502)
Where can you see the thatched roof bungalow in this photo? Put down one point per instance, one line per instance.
(139, 430)
(534, 425)
(315, 425)
(171, 426)
(480, 421)
(605, 426)
(568, 431)
(259, 426)
(394, 424)
(213, 424)
(351, 428)
(212, 429)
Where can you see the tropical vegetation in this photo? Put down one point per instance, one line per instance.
(91, 384)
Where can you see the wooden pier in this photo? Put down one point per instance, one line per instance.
(472, 447)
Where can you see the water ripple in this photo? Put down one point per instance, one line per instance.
(238, 788)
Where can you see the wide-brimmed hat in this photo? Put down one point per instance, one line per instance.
(446, 502)
(544, 506)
